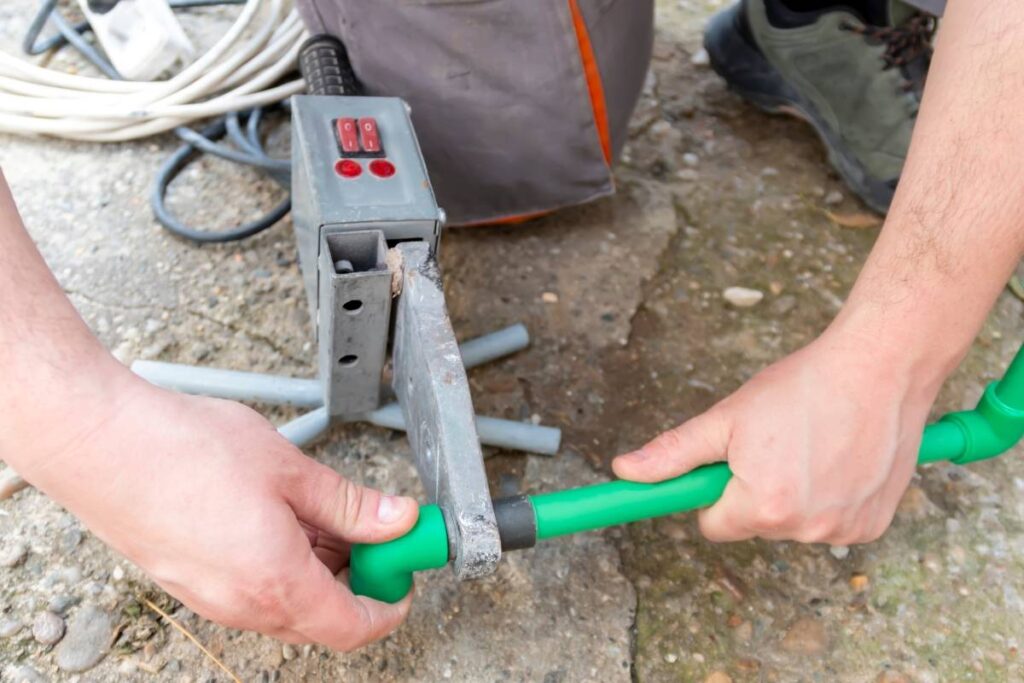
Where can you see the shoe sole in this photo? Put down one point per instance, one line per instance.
(751, 76)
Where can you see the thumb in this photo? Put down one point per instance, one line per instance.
(328, 613)
(699, 441)
(322, 497)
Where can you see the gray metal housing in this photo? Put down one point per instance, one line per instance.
(402, 206)
(353, 221)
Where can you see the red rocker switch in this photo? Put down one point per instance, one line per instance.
(368, 135)
(348, 138)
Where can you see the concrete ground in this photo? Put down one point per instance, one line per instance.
(631, 335)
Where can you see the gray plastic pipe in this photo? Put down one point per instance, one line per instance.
(493, 346)
(232, 384)
(306, 428)
(302, 393)
(308, 393)
(493, 431)
(516, 436)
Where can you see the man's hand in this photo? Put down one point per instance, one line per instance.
(823, 442)
(203, 494)
(822, 445)
(221, 511)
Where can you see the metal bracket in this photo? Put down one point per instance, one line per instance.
(433, 390)
(353, 316)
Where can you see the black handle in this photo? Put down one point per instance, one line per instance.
(323, 61)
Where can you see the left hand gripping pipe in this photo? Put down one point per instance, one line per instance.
(385, 571)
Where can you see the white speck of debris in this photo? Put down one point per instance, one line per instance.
(650, 82)
(743, 297)
(671, 658)
(690, 159)
(834, 197)
(117, 574)
(700, 57)
(13, 554)
(840, 552)
(549, 298)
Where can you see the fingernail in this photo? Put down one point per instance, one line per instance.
(390, 509)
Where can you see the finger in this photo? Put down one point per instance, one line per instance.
(286, 635)
(323, 498)
(699, 441)
(883, 507)
(333, 544)
(728, 519)
(332, 559)
(330, 550)
(327, 612)
(310, 531)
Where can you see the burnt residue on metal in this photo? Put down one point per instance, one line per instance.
(430, 270)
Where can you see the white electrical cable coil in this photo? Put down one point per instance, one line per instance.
(242, 70)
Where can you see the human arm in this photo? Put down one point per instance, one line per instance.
(823, 443)
(203, 494)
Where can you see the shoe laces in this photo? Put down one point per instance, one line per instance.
(904, 43)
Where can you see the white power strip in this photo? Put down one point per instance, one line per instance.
(247, 66)
(142, 38)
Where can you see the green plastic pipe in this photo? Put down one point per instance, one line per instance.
(619, 502)
(384, 571)
(1011, 386)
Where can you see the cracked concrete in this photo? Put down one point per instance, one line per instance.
(630, 336)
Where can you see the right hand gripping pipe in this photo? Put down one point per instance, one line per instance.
(384, 571)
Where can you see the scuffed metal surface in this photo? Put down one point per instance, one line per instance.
(432, 388)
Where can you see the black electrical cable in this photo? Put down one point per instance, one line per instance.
(205, 140)
(250, 150)
(82, 45)
(31, 45)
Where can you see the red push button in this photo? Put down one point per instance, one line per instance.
(347, 168)
(368, 135)
(382, 168)
(348, 137)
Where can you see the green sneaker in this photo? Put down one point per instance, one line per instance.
(857, 81)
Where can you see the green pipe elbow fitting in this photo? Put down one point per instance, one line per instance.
(383, 571)
(990, 429)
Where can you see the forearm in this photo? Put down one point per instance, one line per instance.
(955, 231)
(49, 360)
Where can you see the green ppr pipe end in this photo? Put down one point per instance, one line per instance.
(383, 571)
